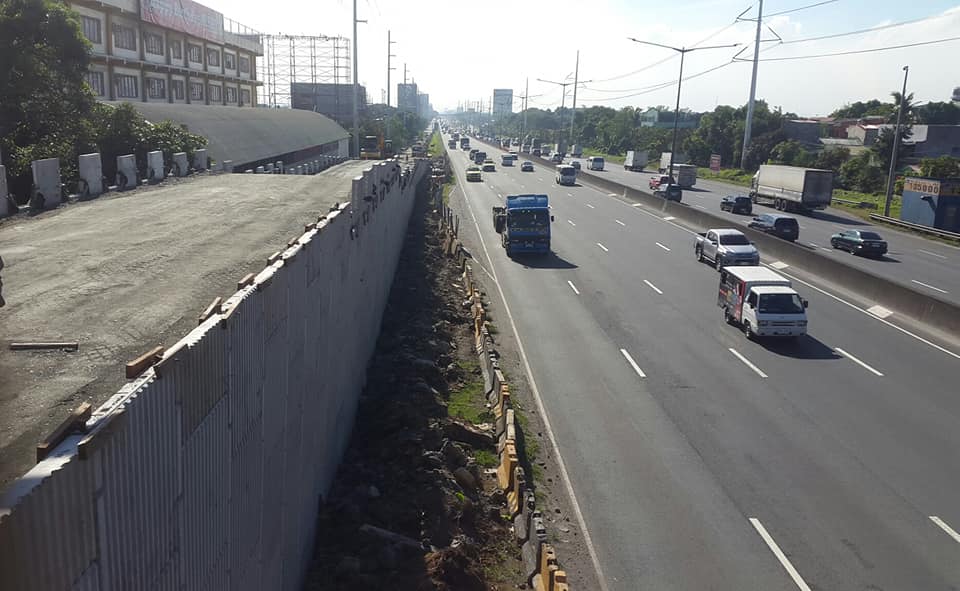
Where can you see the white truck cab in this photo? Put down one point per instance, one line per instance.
(762, 302)
(566, 175)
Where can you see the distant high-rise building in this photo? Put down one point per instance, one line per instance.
(408, 100)
(423, 107)
(502, 101)
(333, 100)
(956, 94)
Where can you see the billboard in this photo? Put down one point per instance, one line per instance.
(407, 98)
(185, 16)
(502, 101)
(715, 162)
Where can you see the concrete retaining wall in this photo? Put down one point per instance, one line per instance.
(91, 172)
(127, 172)
(46, 183)
(206, 471)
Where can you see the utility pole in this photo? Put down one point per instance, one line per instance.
(526, 93)
(573, 114)
(389, 55)
(404, 79)
(563, 99)
(356, 93)
(896, 144)
(748, 127)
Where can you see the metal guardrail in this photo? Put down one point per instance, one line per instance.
(854, 203)
(917, 227)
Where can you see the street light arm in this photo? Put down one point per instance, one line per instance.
(635, 40)
(552, 82)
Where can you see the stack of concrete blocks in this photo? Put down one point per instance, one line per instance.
(228, 166)
(4, 201)
(91, 173)
(200, 160)
(46, 183)
(268, 169)
(155, 166)
(259, 170)
(180, 165)
(279, 166)
(127, 172)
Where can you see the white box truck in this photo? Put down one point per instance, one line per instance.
(791, 188)
(635, 160)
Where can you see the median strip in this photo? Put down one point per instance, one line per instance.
(857, 361)
(748, 363)
(633, 363)
(784, 561)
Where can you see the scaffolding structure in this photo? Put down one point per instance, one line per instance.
(317, 60)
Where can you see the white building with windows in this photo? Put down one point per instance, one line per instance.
(169, 51)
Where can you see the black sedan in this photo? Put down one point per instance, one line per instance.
(737, 204)
(860, 242)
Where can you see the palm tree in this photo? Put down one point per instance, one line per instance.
(908, 107)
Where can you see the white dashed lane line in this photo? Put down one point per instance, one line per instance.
(632, 363)
(590, 206)
(653, 287)
(933, 254)
(784, 561)
(943, 525)
(603, 248)
(748, 363)
(573, 287)
(621, 223)
(571, 223)
(666, 248)
(857, 361)
(927, 285)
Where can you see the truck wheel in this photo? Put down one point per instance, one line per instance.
(727, 317)
(699, 253)
(719, 263)
(747, 331)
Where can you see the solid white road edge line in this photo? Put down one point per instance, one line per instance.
(653, 287)
(857, 361)
(933, 254)
(633, 363)
(928, 285)
(605, 249)
(747, 363)
(663, 247)
(942, 525)
(587, 539)
(573, 287)
(784, 561)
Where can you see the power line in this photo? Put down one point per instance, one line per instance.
(853, 52)
(871, 29)
(801, 8)
(661, 86)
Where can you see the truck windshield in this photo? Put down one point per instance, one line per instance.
(528, 219)
(780, 303)
(734, 240)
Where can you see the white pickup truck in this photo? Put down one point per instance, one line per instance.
(725, 247)
(761, 302)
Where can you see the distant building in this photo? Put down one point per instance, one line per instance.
(168, 52)
(502, 101)
(805, 131)
(408, 99)
(927, 141)
(423, 105)
(956, 95)
(653, 117)
(333, 100)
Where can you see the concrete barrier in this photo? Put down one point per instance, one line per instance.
(155, 172)
(5, 208)
(127, 172)
(259, 170)
(46, 183)
(227, 166)
(279, 166)
(91, 175)
(200, 159)
(181, 167)
(268, 169)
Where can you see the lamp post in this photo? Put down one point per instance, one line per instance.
(896, 144)
(683, 51)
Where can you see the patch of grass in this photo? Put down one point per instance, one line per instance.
(447, 189)
(486, 459)
(492, 328)
(468, 403)
(436, 145)
(734, 176)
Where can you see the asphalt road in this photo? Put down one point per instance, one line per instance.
(923, 265)
(702, 460)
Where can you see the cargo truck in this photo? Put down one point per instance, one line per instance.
(636, 160)
(761, 302)
(791, 188)
(576, 151)
(524, 224)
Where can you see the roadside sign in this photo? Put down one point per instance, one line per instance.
(715, 162)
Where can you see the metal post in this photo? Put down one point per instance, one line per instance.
(676, 114)
(896, 144)
(526, 93)
(573, 116)
(748, 127)
(389, 55)
(356, 116)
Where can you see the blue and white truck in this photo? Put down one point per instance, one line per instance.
(524, 224)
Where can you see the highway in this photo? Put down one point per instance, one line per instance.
(923, 265)
(702, 460)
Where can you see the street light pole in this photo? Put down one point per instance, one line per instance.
(356, 98)
(676, 113)
(390, 45)
(748, 125)
(896, 144)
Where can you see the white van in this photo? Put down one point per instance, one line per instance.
(566, 175)
(762, 302)
(595, 163)
(506, 160)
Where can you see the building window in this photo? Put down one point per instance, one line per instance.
(215, 93)
(231, 94)
(156, 88)
(91, 29)
(124, 37)
(125, 86)
(213, 57)
(95, 80)
(195, 53)
(176, 50)
(229, 61)
(153, 43)
(196, 91)
(244, 96)
(176, 89)
(244, 65)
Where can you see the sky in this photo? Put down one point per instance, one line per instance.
(458, 51)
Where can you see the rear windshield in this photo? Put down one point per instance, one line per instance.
(786, 223)
(870, 236)
(741, 199)
(734, 239)
(598, 160)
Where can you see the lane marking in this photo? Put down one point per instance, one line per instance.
(662, 246)
(612, 195)
(701, 207)
(857, 361)
(942, 525)
(813, 244)
(879, 311)
(621, 223)
(930, 286)
(669, 218)
(605, 249)
(590, 206)
(779, 265)
(573, 287)
(571, 223)
(784, 561)
(747, 363)
(569, 194)
(633, 363)
(540, 179)
(933, 254)
(637, 205)
(653, 287)
(538, 399)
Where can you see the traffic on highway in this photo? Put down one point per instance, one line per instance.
(739, 424)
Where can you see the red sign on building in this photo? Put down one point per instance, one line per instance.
(186, 16)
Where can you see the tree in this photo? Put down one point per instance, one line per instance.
(944, 167)
(862, 109)
(832, 158)
(860, 174)
(786, 152)
(908, 107)
(884, 145)
(938, 114)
